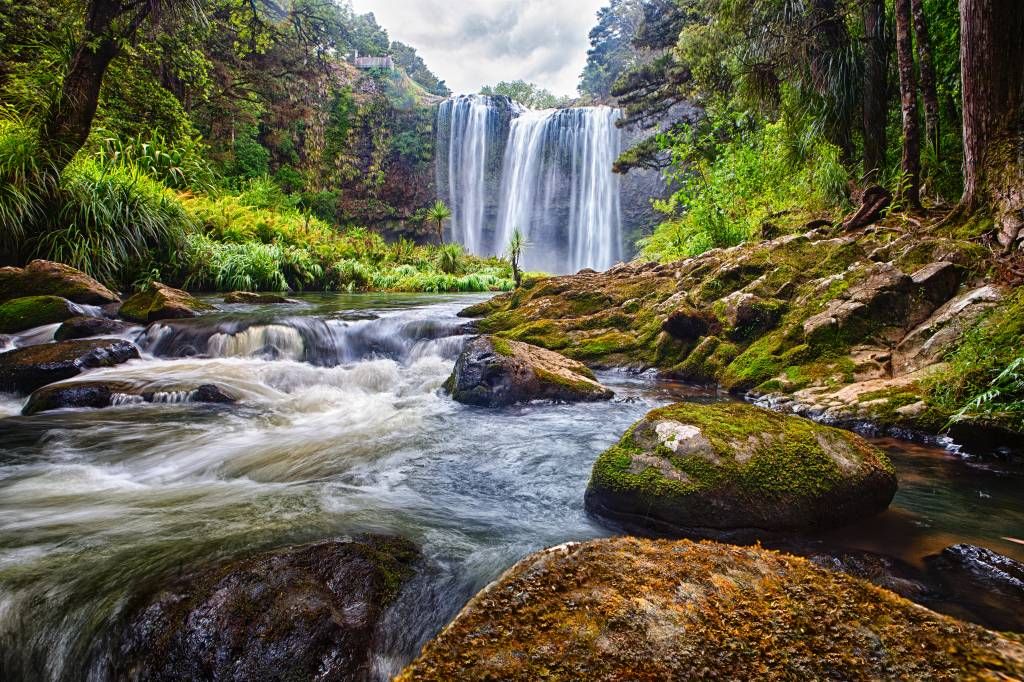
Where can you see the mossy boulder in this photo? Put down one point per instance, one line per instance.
(82, 327)
(101, 394)
(300, 613)
(23, 370)
(494, 371)
(29, 312)
(703, 469)
(161, 302)
(46, 278)
(632, 609)
(253, 298)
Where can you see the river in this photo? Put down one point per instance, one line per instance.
(341, 429)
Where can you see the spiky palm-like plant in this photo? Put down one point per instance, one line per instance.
(438, 213)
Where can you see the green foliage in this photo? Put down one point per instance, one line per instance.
(516, 246)
(734, 173)
(23, 185)
(252, 159)
(439, 213)
(528, 94)
(182, 165)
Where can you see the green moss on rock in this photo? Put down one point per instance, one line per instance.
(20, 314)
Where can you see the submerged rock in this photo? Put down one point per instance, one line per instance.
(991, 584)
(23, 370)
(300, 613)
(698, 469)
(45, 278)
(492, 371)
(255, 298)
(19, 314)
(100, 394)
(81, 327)
(161, 302)
(627, 609)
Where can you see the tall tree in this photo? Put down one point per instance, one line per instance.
(876, 88)
(926, 65)
(109, 25)
(911, 162)
(991, 59)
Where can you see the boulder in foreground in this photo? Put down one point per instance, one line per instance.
(82, 327)
(100, 394)
(161, 302)
(700, 469)
(46, 278)
(629, 609)
(19, 314)
(493, 372)
(253, 298)
(301, 613)
(23, 370)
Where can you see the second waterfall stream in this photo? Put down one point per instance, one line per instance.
(548, 173)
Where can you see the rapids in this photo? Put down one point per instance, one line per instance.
(341, 428)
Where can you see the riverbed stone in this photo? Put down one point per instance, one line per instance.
(299, 613)
(101, 394)
(161, 302)
(493, 372)
(991, 584)
(83, 327)
(628, 608)
(19, 314)
(46, 278)
(23, 370)
(253, 298)
(701, 470)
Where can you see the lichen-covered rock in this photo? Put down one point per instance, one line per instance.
(492, 371)
(161, 302)
(302, 613)
(100, 394)
(23, 370)
(749, 316)
(253, 298)
(82, 327)
(631, 609)
(46, 278)
(990, 582)
(701, 469)
(19, 314)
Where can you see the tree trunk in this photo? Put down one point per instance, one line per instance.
(911, 162)
(876, 89)
(991, 58)
(929, 92)
(69, 118)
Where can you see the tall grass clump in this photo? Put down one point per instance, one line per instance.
(222, 266)
(23, 184)
(177, 164)
(113, 221)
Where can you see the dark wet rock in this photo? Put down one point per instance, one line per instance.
(301, 613)
(253, 298)
(19, 314)
(687, 323)
(492, 372)
(631, 609)
(82, 327)
(161, 302)
(100, 394)
(701, 469)
(45, 278)
(749, 315)
(990, 584)
(887, 572)
(23, 370)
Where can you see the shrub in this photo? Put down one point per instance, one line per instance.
(449, 259)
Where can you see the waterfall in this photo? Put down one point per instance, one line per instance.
(554, 181)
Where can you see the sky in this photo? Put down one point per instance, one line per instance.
(472, 43)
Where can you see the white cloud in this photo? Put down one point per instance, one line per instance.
(472, 43)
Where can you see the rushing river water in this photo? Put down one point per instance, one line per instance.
(342, 429)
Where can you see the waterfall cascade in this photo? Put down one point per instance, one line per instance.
(548, 173)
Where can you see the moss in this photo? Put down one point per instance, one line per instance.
(577, 385)
(543, 333)
(501, 346)
(20, 314)
(628, 608)
(605, 344)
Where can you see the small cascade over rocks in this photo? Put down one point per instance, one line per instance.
(554, 180)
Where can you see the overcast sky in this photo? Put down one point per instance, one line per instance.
(471, 43)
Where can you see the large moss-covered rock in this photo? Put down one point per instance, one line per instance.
(23, 370)
(630, 609)
(699, 469)
(302, 613)
(492, 371)
(46, 278)
(161, 302)
(100, 394)
(28, 312)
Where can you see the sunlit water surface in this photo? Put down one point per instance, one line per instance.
(342, 429)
